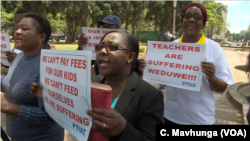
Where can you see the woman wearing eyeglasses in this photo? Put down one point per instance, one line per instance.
(136, 105)
(191, 107)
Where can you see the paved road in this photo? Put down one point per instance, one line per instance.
(226, 113)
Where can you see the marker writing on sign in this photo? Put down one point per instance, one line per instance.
(173, 65)
(176, 47)
(172, 74)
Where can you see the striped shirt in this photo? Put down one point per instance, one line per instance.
(32, 123)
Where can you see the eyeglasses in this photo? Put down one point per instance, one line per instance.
(110, 47)
(196, 17)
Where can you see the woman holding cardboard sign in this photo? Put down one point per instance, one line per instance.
(191, 107)
(137, 105)
(26, 119)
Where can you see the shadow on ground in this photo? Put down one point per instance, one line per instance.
(240, 67)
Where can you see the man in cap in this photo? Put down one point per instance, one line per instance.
(111, 22)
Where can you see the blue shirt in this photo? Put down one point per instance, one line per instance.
(47, 46)
(32, 123)
(113, 102)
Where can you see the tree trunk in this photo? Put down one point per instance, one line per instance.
(73, 35)
(162, 31)
(157, 35)
(133, 28)
(126, 24)
(69, 32)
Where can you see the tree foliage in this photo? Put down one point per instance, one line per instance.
(216, 23)
(161, 12)
(246, 36)
(68, 17)
(237, 37)
(6, 20)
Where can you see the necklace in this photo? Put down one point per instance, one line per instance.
(119, 86)
(119, 95)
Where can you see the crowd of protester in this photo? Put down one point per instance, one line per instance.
(137, 105)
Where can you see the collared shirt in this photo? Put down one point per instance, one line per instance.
(202, 39)
(17, 51)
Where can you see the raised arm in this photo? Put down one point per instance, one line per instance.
(82, 42)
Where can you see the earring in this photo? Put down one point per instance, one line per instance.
(39, 42)
(128, 62)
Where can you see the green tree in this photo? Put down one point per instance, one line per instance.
(75, 13)
(98, 10)
(7, 22)
(11, 6)
(216, 21)
(44, 8)
(236, 36)
(144, 25)
(246, 36)
(58, 23)
(72, 13)
(134, 14)
(161, 12)
(41, 7)
(230, 38)
(129, 12)
(228, 33)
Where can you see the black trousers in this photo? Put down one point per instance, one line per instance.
(4, 135)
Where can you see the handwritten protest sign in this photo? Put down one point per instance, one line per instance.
(175, 64)
(65, 76)
(94, 35)
(5, 46)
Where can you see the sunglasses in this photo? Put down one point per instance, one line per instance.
(196, 17)
(109, 47)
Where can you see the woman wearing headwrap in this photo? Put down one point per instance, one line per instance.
(191, 107)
